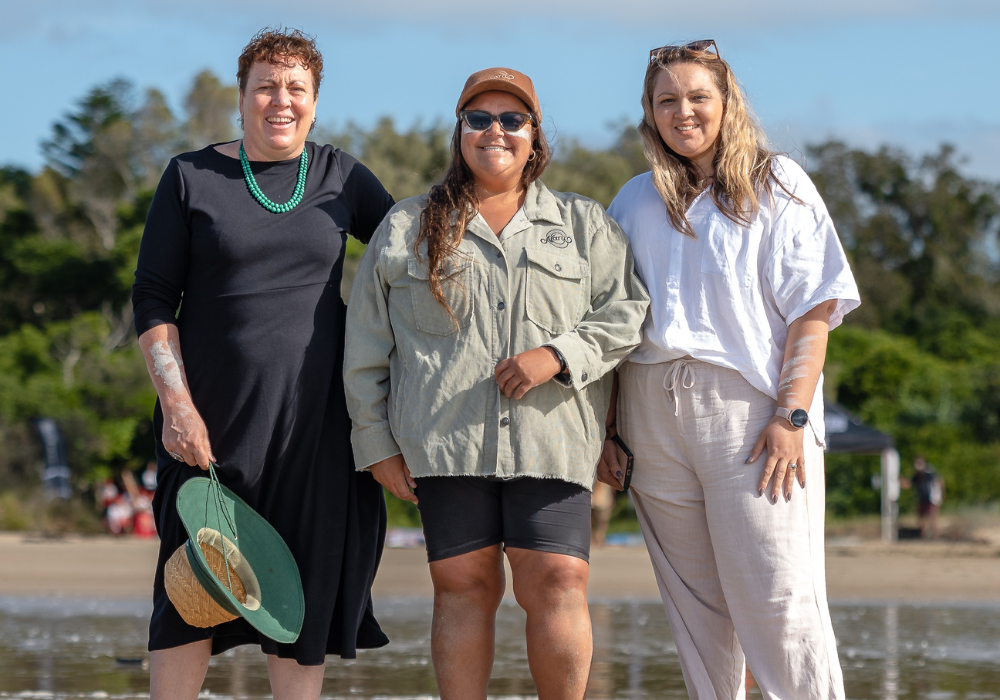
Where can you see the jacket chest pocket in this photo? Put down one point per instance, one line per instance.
(457, 285)
(556, 290)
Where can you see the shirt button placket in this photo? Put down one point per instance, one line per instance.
(500, 350)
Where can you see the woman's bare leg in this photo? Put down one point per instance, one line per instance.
(467, 592)
(552, 589)
(290, 681)
(178, 673)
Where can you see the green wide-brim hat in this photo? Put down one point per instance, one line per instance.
(215, 516)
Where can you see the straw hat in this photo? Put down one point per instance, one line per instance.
(184, 588)
(233, 564)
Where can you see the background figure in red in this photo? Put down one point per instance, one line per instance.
(143, 522)
(117, 505)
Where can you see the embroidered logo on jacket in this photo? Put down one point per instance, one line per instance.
(557, 238)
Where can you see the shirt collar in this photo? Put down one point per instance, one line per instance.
(539, 203)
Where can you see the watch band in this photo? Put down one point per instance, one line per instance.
(796, 417)
(562, 360)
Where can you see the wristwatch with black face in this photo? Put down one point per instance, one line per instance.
(797, 417)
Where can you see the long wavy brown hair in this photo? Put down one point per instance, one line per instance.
(743, 158)
(453, 203)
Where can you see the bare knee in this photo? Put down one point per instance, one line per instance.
(476, 577)
(550, 582)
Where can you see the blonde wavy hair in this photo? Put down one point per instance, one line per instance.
(743, 171)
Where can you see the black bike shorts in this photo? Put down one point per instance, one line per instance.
(461, 514)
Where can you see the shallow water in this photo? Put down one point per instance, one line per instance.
(57, 648)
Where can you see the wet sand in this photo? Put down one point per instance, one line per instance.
(933, 572)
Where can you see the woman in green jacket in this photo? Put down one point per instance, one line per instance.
(484, 321)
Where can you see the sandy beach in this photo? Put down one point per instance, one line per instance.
(863, 571)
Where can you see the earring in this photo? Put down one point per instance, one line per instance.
(532, 156)
(239, 120)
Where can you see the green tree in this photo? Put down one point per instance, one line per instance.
(597, 174)
(407, 162)
(211, 111)
(918, 233)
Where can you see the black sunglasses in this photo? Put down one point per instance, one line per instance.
(700, 45)
(478, 120)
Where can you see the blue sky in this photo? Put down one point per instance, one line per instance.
(911, 73)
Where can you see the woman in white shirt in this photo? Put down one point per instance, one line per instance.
(722, 401)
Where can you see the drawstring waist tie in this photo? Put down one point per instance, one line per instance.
(678, 376)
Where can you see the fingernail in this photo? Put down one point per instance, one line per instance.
(774, 498)
(748, 460)
(761, 492)
(618, 474)
(788, 496)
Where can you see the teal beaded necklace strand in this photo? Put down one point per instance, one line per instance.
(300, 185)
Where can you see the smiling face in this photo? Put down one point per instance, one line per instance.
(495, 157)
(278, 107)
(688, 108)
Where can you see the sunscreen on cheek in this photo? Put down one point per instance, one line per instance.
(523, 133)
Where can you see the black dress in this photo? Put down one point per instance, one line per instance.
(262, 335)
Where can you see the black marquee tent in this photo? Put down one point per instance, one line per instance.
(846, 434)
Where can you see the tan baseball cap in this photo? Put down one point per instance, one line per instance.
(503, 79)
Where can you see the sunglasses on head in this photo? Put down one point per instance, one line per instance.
(700, 45)
(478, 120)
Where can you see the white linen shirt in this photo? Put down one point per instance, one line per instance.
(727, 296)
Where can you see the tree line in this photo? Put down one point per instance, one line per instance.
(920, 359)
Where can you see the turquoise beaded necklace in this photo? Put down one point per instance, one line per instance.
(300, 185)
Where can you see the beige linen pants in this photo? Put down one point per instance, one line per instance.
(743, 580)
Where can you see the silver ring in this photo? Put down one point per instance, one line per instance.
(793, 466)
(176, 456)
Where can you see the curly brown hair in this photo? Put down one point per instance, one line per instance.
(281, 46)
(452, 204)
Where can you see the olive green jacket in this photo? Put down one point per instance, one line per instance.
(421, 383)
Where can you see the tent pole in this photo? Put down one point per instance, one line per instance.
(890, 494)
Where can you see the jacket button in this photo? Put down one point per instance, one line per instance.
(499, 253)
(583, 377)
(500, 306)
(504, 422)
(558, 267)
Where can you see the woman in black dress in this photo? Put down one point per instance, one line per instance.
(248, 373)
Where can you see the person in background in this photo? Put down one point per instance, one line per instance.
(602, 504)
(148, 478)
(722, 402)
(251, 235)
(485, 318)
(118, 509)
(143, 523)
(929, 487)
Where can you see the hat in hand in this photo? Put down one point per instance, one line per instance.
(233, 564)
